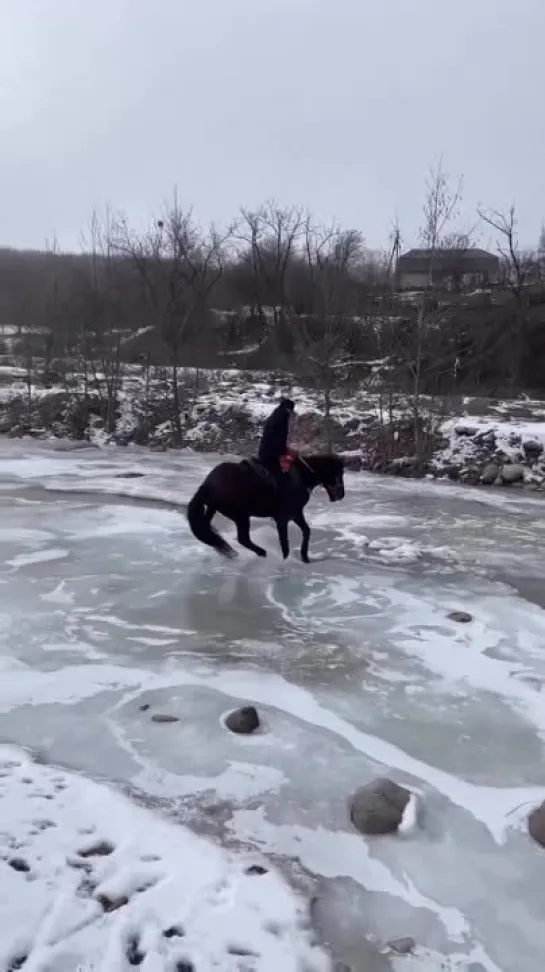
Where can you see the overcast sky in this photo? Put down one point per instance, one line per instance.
(336, 104)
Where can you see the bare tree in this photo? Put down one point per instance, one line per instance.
(520, 270)
(179, 266)
(104, 315)
(269, 240)
(41, 334)
(541, 253)
(441, 210)
(321, 334)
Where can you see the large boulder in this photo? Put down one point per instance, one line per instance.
(490, 474)
(378, 807)
(513, 473)
(243, 721)
(532, 449)
(536, 824)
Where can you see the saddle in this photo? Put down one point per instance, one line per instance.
(287, 467)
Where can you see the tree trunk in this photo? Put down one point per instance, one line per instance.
(327, 418)
(176, 406)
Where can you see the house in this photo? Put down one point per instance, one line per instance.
(449, 269)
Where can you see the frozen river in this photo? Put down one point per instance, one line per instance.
(108, 604)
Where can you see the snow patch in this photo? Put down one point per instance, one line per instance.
(89, 880)
(408, 821)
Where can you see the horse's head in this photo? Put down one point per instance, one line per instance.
(329, 473)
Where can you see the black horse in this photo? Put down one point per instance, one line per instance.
(240, 490)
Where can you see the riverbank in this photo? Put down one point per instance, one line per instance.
(471, 440)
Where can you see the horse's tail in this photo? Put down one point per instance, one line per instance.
(198, 517)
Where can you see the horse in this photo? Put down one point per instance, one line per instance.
(240, 490)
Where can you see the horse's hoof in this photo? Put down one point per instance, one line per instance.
(261, 553)
(306, 560)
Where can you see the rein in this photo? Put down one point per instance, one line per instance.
(305, 463)
(312, 472)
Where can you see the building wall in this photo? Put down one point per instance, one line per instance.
(420, 281)
(413, 281)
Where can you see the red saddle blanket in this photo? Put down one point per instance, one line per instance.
(287, 460)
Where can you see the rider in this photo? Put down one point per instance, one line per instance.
(274, 440)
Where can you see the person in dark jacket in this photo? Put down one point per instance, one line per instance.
(274, 440)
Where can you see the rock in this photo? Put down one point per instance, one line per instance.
(486, 438)
(244, 720)
(145, 707)
(453, 472)
(158, 447)
(256, 869)
(403, 946)
(466, 430)
(164, 717)
(471, 475)
(513, 473)
(377, 807)
(536, 824)
(129, 475)
(461, 616)
(490, 473)
(532, 449)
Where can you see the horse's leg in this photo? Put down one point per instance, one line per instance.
(300, 521)
(282, 527)
(243, 536)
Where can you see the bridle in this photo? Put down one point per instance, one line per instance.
(312, 472)
(334, 490)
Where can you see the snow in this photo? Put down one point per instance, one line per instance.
(409, 819)
(73, 849)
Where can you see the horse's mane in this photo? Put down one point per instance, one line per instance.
(321, 460)
(331, 457)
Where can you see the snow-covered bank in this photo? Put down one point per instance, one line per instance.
(467, 439)
(89, 880)
(493, 451)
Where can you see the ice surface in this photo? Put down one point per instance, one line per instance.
(111, 612)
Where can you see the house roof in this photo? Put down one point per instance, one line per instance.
(453, 259)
